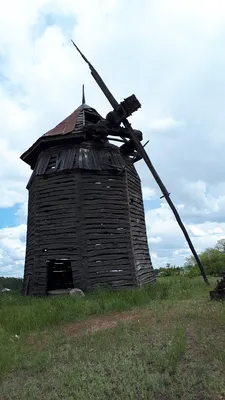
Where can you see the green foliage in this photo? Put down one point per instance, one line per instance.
(170, 271)
(212, 259)
(14, 284)
(193, 272)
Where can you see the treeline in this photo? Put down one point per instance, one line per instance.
(14, 284)
(212, 259)
(169, 270)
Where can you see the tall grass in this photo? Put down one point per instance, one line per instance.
(24, 314)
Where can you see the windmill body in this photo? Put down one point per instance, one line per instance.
(86, 224)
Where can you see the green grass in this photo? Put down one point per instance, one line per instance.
(175, 349)
(23, 314)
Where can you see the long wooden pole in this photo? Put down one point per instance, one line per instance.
(147, 160)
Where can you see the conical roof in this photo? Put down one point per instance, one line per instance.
(83, 115)
(70, 127)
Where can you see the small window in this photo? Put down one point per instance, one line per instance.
(54, 163)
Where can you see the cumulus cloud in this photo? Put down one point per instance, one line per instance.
(21, 213)
(170, 54)
(12, 250)
(167, 242)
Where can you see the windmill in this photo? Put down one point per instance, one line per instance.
(86, 224)
(133, 146)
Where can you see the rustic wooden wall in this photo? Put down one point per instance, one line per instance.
(80, 208)
(142, 259)
(105, 214)
(30, 245)
(55, 230)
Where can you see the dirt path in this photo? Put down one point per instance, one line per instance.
(94, 324)
(89, 325)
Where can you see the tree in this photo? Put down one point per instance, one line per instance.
(220, 245)
(190, 263)
(11, 283)
(212, 259)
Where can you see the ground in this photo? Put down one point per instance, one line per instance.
(162, 342)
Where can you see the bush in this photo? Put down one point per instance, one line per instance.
(170, 271)
(193, 272)
(14, 284)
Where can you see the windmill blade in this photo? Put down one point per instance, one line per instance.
(143, 154)
(99, 80)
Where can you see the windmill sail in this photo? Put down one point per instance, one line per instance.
(143, 154)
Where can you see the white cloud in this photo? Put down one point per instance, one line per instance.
(164, 124)
(13, 176)
(157, 239)
(148, 193)
(153, 255)
(196, 231)
(21, 213)
(170, 54)
(172, 247)
(12, 250)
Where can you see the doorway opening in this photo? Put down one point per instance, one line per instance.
(59, 274)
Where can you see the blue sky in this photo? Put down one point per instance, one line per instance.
(49, 18)
(8, 216)
(170, 54)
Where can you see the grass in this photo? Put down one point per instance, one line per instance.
(23, 314)
(174, 349)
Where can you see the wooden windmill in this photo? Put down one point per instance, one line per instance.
(86, 223)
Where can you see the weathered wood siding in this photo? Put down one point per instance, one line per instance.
(30, 245)
(107, 237)
(55, 230)
(80, 208)
(142, 260)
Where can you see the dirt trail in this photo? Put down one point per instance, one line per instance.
(94, 324)
(90, 325)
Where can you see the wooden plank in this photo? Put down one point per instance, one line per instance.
(108, 279)
(104, 257)
(112, 264)
(105, 251)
